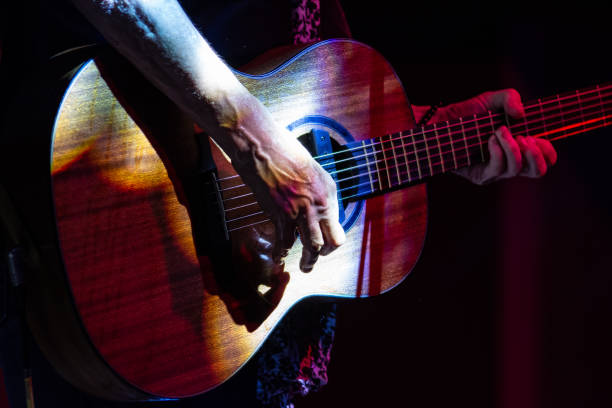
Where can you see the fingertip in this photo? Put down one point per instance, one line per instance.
(514, 105)
(550, 153)
(308, 259)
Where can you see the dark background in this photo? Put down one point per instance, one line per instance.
(510, 304)
(511, 301)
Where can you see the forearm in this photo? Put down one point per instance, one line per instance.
(160, 40)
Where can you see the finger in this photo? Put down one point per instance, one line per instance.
(508, 100)
(285, 237)
(549, 152)
(496, 165)
(535, 165)
(312, 242)
(512, 152)
(333, 235)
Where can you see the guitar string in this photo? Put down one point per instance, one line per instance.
(517, 126)
(450, 135)
(381, 184)
(539, 106)
(401, 164)
(269, 220)
(393, 148)
(403, 182)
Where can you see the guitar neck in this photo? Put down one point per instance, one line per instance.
(393, 161)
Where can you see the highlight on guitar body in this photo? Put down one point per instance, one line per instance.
(168, 303)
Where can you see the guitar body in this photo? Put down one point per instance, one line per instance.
(145, 313)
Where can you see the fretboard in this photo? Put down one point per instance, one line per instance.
(393, 161)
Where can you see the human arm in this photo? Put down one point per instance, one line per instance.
(509, 156)
(160, 40)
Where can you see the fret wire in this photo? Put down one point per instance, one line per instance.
(492, 132)
(386, 161)
(376, 162)
(367, 164)
(450, 139)
(580, 107)
(561, 111)
(427, 151)
(601, 103)
(399, 179)
(406, 159)
(439, 148)
(465, 140)
(480, 139)
(543, 118)
(507, 120)
(416, 155)
(526, 127)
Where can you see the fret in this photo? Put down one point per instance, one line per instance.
(545, 134)
(479, 137)
(601, 105)
(426, 142)
(526, 126)
(561, 112)
(445, 145)
(421, 146)
(376, 161)
(385, 161)
(467, 149)
(406, 162)
(581, 110)
(450, 142)
(416, 154)
(394, 139)
(458, 145)
(365, 155)
(492, 133)
(437, 136)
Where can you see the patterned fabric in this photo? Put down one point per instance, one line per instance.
(305, 21)
(294, 359)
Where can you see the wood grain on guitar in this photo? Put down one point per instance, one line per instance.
(149, 306)
(155, 319)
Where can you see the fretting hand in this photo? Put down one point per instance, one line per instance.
(509, 156)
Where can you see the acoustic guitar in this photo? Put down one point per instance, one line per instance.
(148, 310)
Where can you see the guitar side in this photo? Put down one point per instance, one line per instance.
(140, 293)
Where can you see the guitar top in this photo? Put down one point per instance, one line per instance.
(160, 319)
